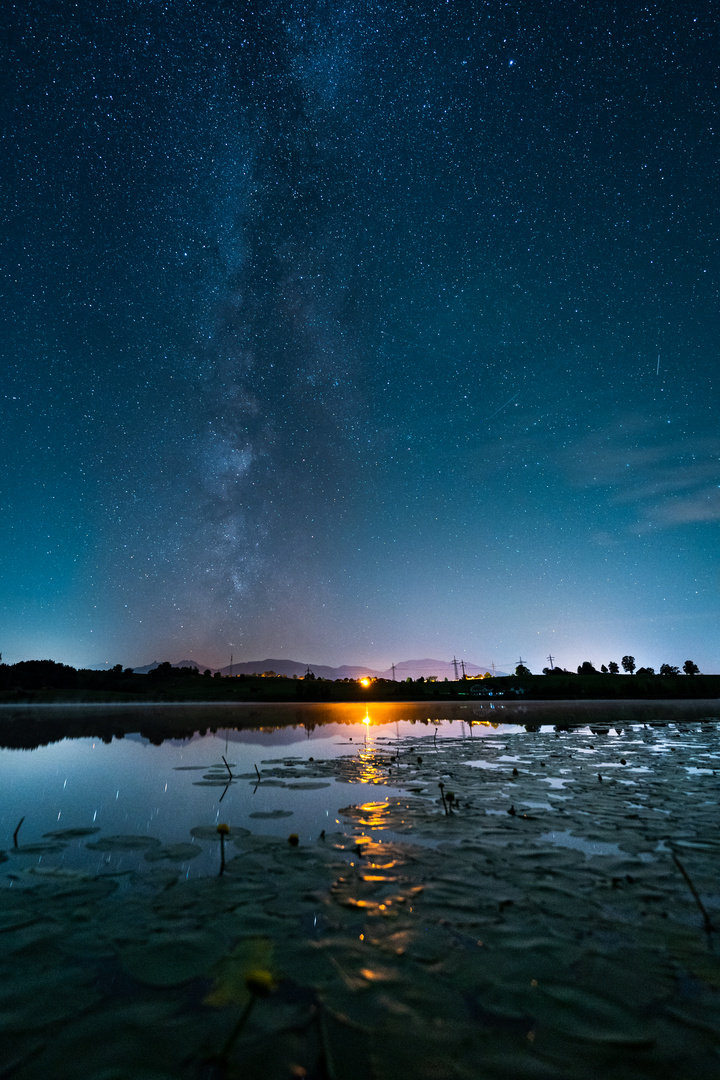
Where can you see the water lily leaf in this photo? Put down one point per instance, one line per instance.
(591, 1018)
(308, 785)
(42, 847)
(73, 834)
(230, 983)
(168, 959)
(214, 783)
(289, 906)
(173, 853)
(14, 918)
(123, 843)
(33, 996)
(209, 832)
(269, 814)
(87, 944)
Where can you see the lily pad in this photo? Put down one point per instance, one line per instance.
(168, 959)
(14, 918)
(35, 996)
(271, 814)
(308, 785)
(87, 945)
(124, 843)
(173, 853)
(73, 834)
(249, 957)
(209, 832)
(42, 847)
(587, 1016)
(213, 783)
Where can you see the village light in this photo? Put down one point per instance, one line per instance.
(365, 681)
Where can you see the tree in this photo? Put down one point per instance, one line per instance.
(690, 668)
(613, 668)
(586, 668)
(669, 669)
(628, 663)
(645, 671)
(522, 670)
(604, 669)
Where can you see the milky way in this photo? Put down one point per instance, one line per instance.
(332, 332)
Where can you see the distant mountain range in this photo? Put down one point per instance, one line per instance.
(407, 669)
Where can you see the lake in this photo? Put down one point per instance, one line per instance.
(524, 890)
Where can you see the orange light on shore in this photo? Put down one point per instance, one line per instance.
(365, 681)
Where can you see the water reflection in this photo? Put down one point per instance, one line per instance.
(28, 726)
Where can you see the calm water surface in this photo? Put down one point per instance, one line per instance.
(131, 786)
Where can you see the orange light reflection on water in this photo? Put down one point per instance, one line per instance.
(373, 815)
(373, 765)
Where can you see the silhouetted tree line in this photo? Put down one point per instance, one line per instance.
(37, 675)
(628, 665)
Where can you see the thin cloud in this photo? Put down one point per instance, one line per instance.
(669, 482)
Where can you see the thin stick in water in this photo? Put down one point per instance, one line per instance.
(227, 766)
(238, 1027)
(325, 1043)
(709, 927)
(15, 834)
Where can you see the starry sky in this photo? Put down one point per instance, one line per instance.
(355, 332)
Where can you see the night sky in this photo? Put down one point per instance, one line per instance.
(355, 332)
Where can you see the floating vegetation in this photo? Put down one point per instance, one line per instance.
(72, 834)
(210, 832)
(123, 843)
(573, 938)
(41, 847)
(308, 785)
(173, 853)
